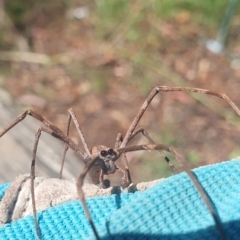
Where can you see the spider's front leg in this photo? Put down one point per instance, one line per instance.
(72, 116)
(126, 179)
(146, 135)
(68, 142)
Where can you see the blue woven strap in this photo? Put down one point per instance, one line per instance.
(172, 209)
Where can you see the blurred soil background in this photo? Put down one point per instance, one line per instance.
(102, 58)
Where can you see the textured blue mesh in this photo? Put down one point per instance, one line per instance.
(173, 209)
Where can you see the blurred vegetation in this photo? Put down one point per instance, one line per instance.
(125, 45)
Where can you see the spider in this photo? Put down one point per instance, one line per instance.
(100, 160)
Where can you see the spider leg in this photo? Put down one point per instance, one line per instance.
(185, 167)
(55, 130)
(19, 118)
(204, 91)
(158, 89)
(139, 115)
(32, 175)
(80, 132)
(81, 196)
(137, 118)
(66, 147)
(117, 145)
(72, 116)
(103, 183)
(145, 134)
(126, 179)
(67, 141)
(118, 140)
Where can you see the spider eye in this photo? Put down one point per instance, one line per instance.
(110, 152)
(104, 153)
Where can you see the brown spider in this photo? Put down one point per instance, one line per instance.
(100, 160)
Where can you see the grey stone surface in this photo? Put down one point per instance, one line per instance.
(17, 144)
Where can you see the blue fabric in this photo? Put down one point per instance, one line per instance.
(173, 209)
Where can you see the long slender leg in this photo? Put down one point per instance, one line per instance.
(126, 179)
(19, 118)
(103, 183)
(204, 91)
(81, 196)
(137, 118)
(67, 141)
(22, 116)
(119, 140)
(66, 147)
(53, 130)
(32, 175)
(145, 134)
(158, 89)
(185, 167)
(80, 132)
(72, 115)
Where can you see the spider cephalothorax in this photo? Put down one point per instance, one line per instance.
(104, 165)
(107, 158)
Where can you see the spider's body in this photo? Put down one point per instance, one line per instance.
(104, 165)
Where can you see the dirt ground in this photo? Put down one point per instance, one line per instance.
(103, 84)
